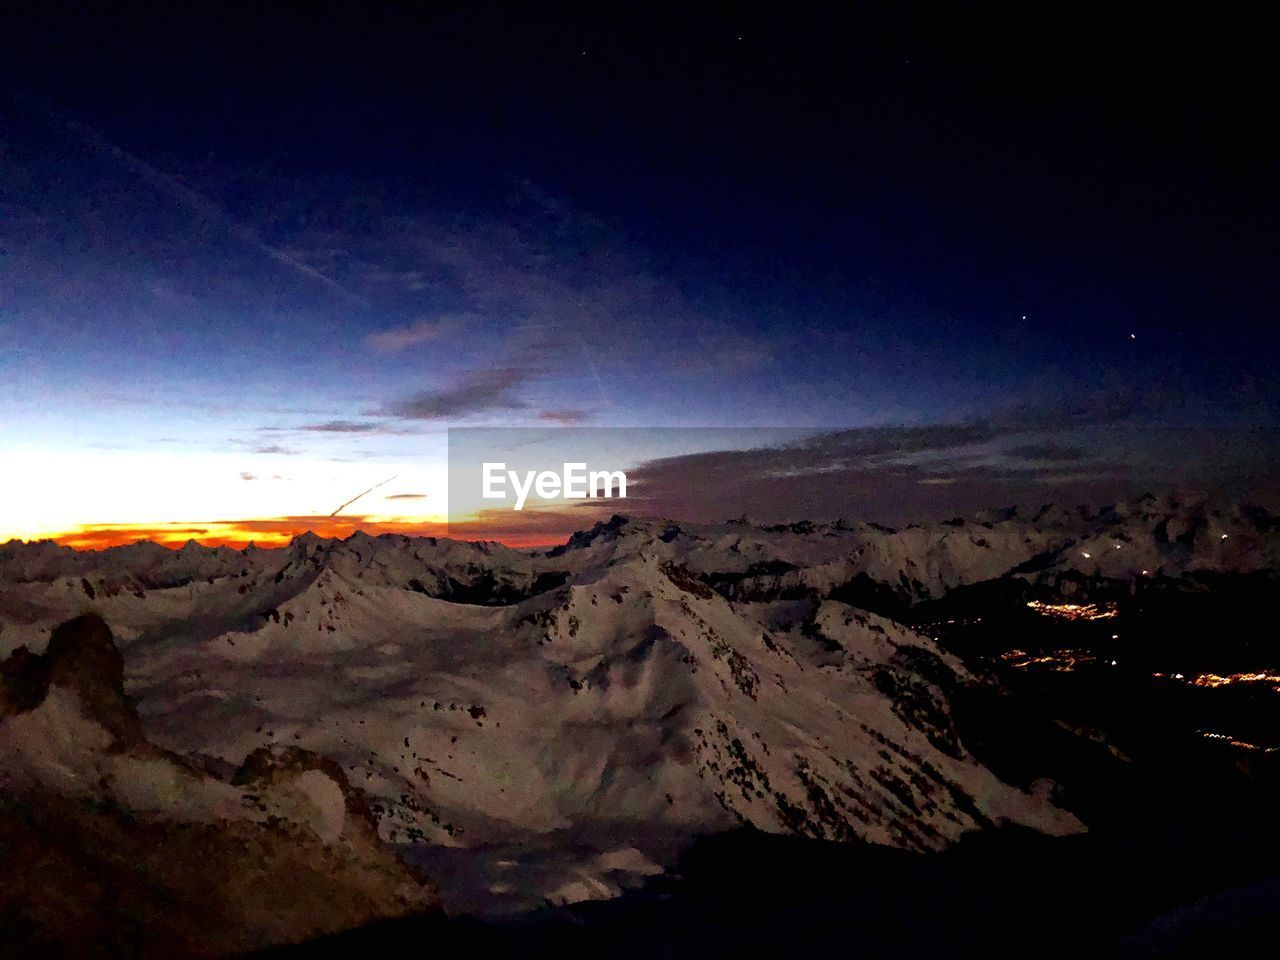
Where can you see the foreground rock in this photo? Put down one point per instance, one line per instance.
(111, 843)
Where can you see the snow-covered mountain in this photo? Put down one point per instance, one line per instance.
(551, 723)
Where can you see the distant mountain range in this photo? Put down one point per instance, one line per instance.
(544, 725)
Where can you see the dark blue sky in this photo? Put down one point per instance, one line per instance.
(329, 232)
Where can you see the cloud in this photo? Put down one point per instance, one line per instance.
(900, 475)
(565, 418)
(417, 333)
(1093, 408)
(405, 496)
(338, 427)
(478, 391)
(727, 350)
(276, 449)
(545, 271)
(246, 475)
(1048, 451)
(341, 426)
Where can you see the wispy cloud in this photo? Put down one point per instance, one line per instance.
(341, 426)
(1048, 451)
(565, 418)
(479, 391)
(902, 474)
(541, 277)
(337, 427)
(425, 330)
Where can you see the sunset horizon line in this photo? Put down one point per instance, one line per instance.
(236, 535)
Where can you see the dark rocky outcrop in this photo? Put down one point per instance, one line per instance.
(88, 872)
(82, 657)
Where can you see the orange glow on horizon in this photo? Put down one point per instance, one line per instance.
(278, 532)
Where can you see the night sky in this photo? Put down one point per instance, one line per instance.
(252, 263)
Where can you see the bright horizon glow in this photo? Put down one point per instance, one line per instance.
(278, 532)
(90, 498)
(82, 496)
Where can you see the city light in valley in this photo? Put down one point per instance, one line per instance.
(1073, 611)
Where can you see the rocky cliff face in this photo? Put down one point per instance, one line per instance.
(111, 843)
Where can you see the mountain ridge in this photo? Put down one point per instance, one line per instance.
(647, 679)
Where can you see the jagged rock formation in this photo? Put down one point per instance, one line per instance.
(113, 844)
